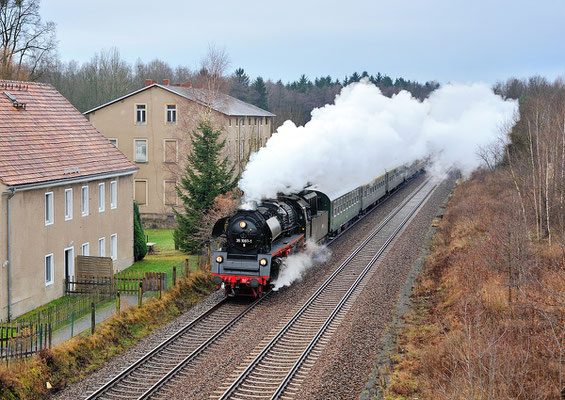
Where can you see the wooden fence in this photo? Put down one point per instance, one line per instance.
(23, 339)
(128, 283)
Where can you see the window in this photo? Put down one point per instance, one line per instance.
(114, 246)
(114, 142)
(171, 113)
(49, 269)
(84, 201)
(243, 122)
(102, 247)
(140, 191)
(255, 121)
(140, 113)
(140, 150)
(260, 121)
(170, 193)
(101, 197)
(266, 121)
(249, 121)
(237, 122)
(170, 151)
(229, 121)
(68, 204)
(48, 208)
(114, 195)
(85, 249)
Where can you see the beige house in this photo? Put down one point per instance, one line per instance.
(152, 126)
(65, 191)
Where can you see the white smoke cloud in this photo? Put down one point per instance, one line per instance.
(296, 264)
(364, 133)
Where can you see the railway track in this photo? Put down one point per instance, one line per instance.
(282, 363)
(152, 374)
(178, 350)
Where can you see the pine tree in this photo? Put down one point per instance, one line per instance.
(205, 177)
(260, 93)
(139, 244)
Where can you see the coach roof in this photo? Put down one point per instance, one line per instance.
(43, 138)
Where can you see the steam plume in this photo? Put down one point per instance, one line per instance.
(296, 264)
(364, 133)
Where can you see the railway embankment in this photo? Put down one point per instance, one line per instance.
(54, 369)
(486, 317)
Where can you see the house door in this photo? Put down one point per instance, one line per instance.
(70, 264)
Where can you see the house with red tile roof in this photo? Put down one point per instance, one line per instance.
(65, 191)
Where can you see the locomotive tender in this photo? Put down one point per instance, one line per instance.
(256, 240)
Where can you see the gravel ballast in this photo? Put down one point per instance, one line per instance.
(342, 370)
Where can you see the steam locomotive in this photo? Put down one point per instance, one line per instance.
(256, 239)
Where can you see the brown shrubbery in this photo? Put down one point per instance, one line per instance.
(68, 362)
(489, 321)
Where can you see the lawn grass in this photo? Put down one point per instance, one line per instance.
(164, 256)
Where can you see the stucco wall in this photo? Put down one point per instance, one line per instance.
(117, 121)
(32, 240)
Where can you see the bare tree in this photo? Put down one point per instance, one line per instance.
(25, 41)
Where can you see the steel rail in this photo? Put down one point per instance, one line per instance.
(290, 375)
(162, 346)
(172, 373)
(233, 387)
(180, 366)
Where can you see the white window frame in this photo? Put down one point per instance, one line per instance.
(102, 247)
(51, 269)
(229, 121)
(114, 141)
(101, 197)
(172, 112)
(165, 192)
(146, 190)
(165, 150)
(68, 204)
(84, 201)
(113, 195)
(49, 212)
(85, 246)
(114, 246)
(141, 121)
(135, 151)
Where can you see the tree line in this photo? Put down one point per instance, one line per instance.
(28, 52)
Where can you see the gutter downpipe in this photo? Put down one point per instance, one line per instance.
(11, 193)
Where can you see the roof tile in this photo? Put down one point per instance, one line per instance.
(49, 138)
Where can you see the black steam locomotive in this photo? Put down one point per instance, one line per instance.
(257, 238)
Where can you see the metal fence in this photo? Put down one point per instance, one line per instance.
(22, 339)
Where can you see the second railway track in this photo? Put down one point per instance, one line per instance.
(281, 364)
(152, 374)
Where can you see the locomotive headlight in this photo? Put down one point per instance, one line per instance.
(242, 224)
(263, 262)
(219, 259)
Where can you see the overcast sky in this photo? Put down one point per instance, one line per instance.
(443, 40)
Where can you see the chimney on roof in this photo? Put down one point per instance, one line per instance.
(148, 82)
(166, 82)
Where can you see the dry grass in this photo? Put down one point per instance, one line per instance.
(72, 360)
(489, 310)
